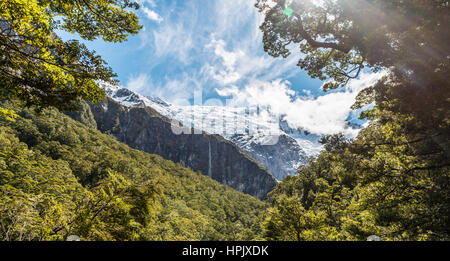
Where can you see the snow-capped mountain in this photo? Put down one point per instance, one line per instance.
(264, 137)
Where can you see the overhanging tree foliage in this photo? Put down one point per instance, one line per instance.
(393, 178)
(39, 69)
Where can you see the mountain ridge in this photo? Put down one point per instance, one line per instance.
(67, 178)
(145, 129)
(241, 126)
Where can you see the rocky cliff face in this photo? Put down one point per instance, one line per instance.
(242, 126)
(281, 159)
(145, 129)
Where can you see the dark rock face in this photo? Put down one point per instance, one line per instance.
(145, 129)
(281, 159)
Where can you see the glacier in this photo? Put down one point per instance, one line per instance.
(265, 137)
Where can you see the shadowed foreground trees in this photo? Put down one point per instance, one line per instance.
(392, 180)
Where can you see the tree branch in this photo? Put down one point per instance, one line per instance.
(316, 44)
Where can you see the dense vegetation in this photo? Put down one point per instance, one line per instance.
(393, 179)
(40, 69)
(59, 177)
(352, 191)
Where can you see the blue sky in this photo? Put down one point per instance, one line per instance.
(215, 46)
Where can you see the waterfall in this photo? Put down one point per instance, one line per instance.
(209, 159)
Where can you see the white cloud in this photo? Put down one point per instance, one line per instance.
(229, 58)
(244, 62)
(219, 42)
(177, 91)
(238, 56)
(150, 2)
(178, 37)
(223, 36)
(275, 94)
(152, 15)
(173, 41)
(325, 114)
(172, 91)
(138, 83)
(224, 71)
(217, 45)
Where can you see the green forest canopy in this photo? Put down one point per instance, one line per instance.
(60, 178)
(393, 179)
(39, 69)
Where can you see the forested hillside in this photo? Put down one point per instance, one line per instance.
(59, 177)
(145, 129)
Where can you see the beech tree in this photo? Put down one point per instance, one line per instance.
(39, 69)
(395, 173)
